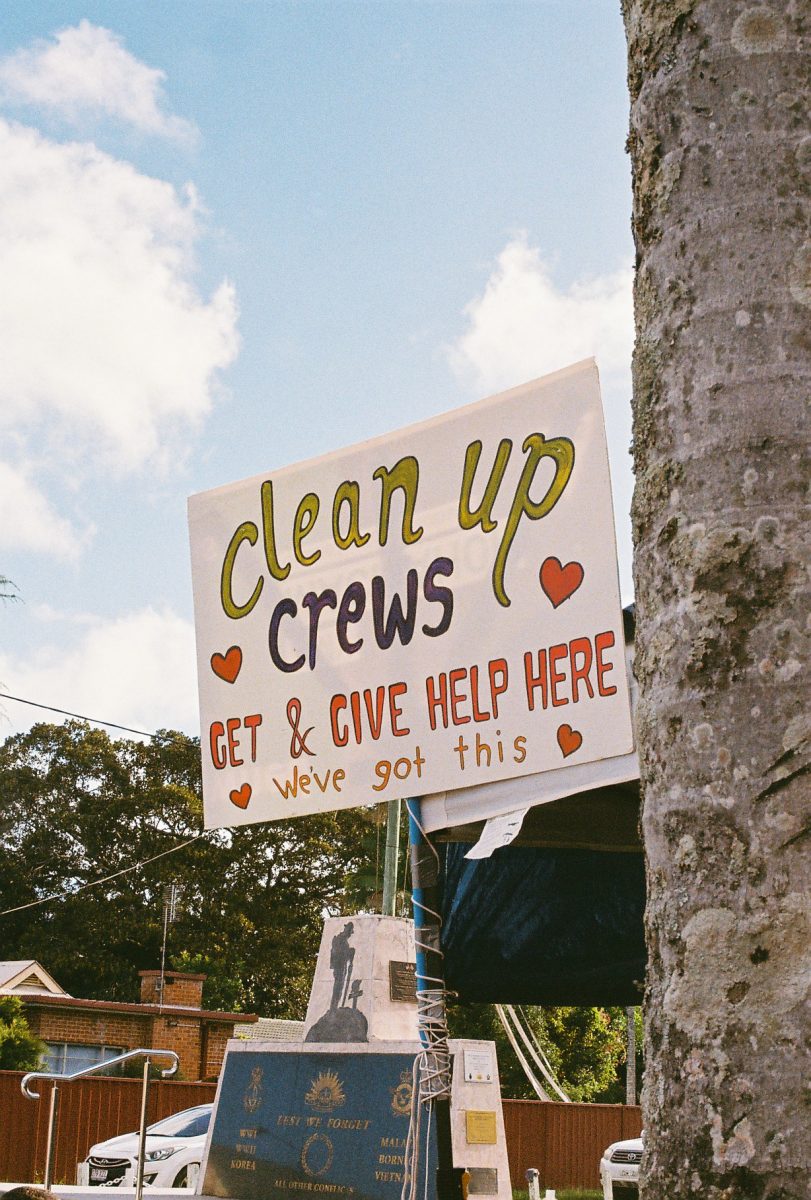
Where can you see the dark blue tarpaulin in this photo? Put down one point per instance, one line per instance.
(534, 925)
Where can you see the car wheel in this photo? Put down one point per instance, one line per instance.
(182, 1177)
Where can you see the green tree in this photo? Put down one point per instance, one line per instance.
(616, 1091)
(76, 806)
(222, 989)
(585, 1046)
(20, 1050)
(364, 888)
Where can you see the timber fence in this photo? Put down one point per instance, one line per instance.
(564, 1141)
(90, 1110)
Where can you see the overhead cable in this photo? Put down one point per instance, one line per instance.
(79, 716)
(537, 1087)
(106, 879)
(533, 1046)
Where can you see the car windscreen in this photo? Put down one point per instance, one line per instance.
(190, 1123)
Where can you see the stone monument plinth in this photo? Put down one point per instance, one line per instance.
(296, 1119)
(329, 1116)
(364, 989)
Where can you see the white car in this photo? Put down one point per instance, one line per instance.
(619, 1169)
(172, 1156)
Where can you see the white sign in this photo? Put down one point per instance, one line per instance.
(478, 1065)
(431, 610)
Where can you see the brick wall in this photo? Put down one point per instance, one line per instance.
(197, 1037)
(213, 1050)
(198, 1042)
(179, 988)
(90, 1028)
(184, 1036)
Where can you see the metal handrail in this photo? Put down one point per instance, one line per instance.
(58, 1077)
(108, 1062)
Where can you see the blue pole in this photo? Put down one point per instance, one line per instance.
(417, 901)
(431, 997)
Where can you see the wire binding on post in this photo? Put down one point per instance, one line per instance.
(431, 1079)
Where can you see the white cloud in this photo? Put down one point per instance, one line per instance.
(523, 325)
(29, 522)
(137, 670)
(48, 615)
(101, 325)
(110, 354)
(85, 70)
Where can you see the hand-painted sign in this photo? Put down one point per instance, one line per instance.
(423, 612)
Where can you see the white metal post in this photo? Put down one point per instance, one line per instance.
(139, 1174)
(49, 1146)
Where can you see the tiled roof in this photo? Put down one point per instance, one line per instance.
(270, 1029)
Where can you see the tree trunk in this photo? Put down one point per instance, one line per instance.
(722, 163)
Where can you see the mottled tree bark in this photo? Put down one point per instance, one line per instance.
(722, 164)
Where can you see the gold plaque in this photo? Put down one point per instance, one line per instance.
(480, 1128)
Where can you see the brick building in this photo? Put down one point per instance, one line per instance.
(80, 1033)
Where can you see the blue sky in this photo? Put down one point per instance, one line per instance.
(239, 235)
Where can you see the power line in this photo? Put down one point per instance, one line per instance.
(95, 882)
(79, 716)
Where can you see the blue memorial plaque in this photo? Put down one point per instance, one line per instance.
(312, 1123)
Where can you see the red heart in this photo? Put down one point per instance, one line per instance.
(241, 796)
(227, 665)
(569, 740)
(560, 582)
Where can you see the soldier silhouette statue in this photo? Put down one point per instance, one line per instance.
(341, 958)
(343, 1021)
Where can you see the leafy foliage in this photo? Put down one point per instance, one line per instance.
(76, 806)
(364, 888)
(222, 989)
(615, 1092)
(585, 1046)
(20, 1050)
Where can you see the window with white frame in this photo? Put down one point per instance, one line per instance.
(68, 1057)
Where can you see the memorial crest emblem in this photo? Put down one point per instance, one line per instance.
(253, 1092)
(326, 1092)
(401, 1095)
(316, 1154)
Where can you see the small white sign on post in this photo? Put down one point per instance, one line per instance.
(478, 1065)
(431, 610)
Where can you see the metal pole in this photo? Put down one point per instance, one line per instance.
(436, 1066)
(62, 1077)
(139, 1173)
(630, 1057)
(390, 860)
(162, 985)
(49, 1145)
